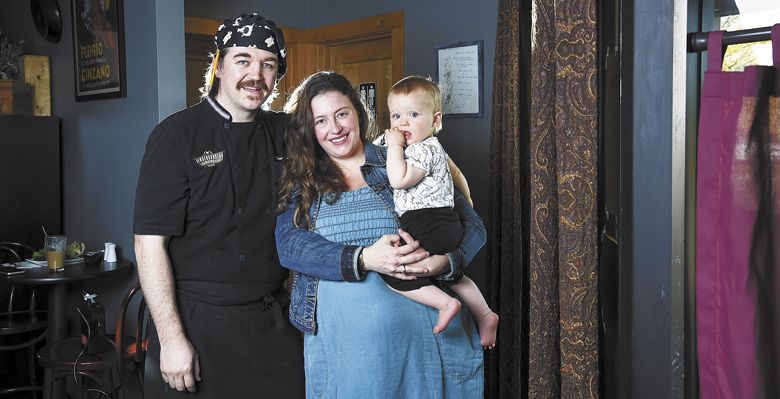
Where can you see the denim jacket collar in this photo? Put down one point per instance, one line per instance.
(375, 155)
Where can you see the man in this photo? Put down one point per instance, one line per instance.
(204, 232)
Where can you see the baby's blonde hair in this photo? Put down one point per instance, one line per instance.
(425, 85)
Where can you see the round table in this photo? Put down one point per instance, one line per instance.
(57, 284)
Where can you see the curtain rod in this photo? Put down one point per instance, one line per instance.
(697, 41)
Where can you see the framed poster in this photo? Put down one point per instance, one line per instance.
(368, 92)
(98, 49)
(459, 73)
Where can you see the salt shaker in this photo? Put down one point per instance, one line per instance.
(110, 253)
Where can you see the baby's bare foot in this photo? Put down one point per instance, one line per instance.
(446, 315)
(488, 325)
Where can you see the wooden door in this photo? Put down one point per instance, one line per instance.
(364, 62)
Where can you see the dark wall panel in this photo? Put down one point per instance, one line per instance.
(651, 206)
(30, 179)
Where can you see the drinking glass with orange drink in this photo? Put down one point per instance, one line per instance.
(55, 252)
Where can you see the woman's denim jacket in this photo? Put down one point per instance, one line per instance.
(312, 257)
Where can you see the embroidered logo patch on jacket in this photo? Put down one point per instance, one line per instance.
(209, 159)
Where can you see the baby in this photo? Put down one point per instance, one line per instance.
(419, 171)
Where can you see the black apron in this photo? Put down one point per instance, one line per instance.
(247, 347)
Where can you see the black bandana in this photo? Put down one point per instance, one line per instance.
(253, 30)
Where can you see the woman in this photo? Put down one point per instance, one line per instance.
(337, 223)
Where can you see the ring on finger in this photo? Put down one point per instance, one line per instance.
(404, 272)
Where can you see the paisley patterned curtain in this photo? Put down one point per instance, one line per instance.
(507, 276)
(542, 223)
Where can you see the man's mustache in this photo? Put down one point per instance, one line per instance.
(253, 84)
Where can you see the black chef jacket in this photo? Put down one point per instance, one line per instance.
(211, 185)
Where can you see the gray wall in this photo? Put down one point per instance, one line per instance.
(103, 140)
(427, 24)
(293, 13)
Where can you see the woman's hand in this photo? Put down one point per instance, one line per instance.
(433, 265)
(389, 257)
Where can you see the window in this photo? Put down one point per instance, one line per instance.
(748, 14)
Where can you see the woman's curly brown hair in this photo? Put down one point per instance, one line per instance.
(308, 170)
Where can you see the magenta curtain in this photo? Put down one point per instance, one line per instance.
(737, 220)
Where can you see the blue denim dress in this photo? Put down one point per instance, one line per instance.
(374, 343)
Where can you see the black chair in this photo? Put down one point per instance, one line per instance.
(70, 357)
(131, 349)
(67, 358)
(22, 325)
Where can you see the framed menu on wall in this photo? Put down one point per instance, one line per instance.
(459, 74)
(98, 47)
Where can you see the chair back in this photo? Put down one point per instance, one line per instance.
(14, 251)
(17, 252)
(22, 327)
(131, 345)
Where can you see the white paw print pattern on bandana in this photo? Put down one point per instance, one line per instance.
(246, 30)
(269, 42)
(227, 37)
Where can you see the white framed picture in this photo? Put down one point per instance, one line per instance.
(459, 74)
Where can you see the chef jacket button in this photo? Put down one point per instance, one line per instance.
(241, 258)
(226, 125)
(270, 258)
(267, 211)
(240, 211)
